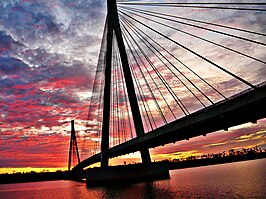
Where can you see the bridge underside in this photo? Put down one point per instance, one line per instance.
(249, 106)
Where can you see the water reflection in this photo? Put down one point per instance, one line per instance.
(158, 189)
(152, 189)
(234, 180)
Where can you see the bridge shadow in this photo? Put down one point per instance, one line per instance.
(148, 189)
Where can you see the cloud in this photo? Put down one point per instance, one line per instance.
(48, 53)
(11, 65)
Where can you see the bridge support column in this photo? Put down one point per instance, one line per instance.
(73, 145)
(114, 27)
(126, 174)
(106, 97)
(145, 155)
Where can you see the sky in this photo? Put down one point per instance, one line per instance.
(48, 56)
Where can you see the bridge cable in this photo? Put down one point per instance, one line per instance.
(179, 5)
(127, 101)
(143, 94)
(122, 94)
(127, 108)
(113, 108)
(145, 40)
(140, 94)
(194, 20)
(143, 99)
(117, 100)
(113, 102)
(162, 79)
(189, 3)
(206, 40)
(114, 93)
(118, 94)
(150, 90)
(196, 26)
(125, 97)
(147, 84)
(156, 71)
(97, 93)
(140, 32)
(177, 76)
(193, 52)
(117, 91)
(140, 89)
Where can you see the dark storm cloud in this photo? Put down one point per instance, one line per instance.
(7, 44)
(28, 19)
(9, 65)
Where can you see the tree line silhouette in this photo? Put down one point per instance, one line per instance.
(232, 155)
(229, 153)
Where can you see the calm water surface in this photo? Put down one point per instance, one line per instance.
(233, 180)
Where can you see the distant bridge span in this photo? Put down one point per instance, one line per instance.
(248, 106)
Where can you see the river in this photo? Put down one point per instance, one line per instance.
(233, 180)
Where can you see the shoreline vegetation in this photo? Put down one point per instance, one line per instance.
(188, 162)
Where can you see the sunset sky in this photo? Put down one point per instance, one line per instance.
(48, 56)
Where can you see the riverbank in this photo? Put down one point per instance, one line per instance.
(64, 175)
(212, 161)
(32, 177)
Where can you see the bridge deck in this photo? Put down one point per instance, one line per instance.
(248, 106)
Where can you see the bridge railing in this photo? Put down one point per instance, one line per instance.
(231, 97)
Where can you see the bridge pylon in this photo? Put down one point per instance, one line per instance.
(113, 27)
(73, 147)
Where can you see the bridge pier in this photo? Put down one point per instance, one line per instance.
(126, 174)
(145, 156)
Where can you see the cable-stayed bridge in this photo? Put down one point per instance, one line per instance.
(172, 71)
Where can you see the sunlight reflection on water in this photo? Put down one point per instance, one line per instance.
(233, 180)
